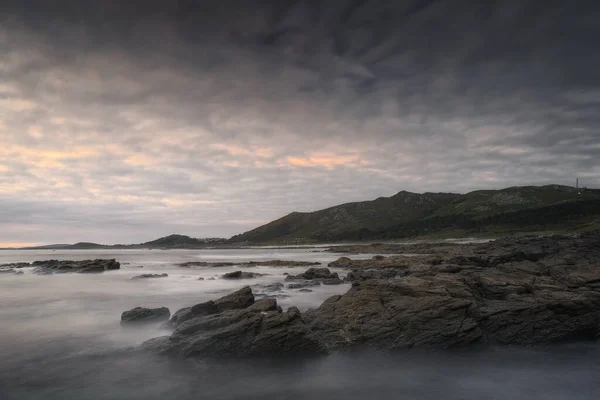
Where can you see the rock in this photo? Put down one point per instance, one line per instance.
(140, 315)
(200, 279)
(204, 264)
(14, 265)
(268, 263)
(241, 275)
(237, 300)
(363, 275)
(261, 329)
(318, 273)
(522, 291)
(281, 263)
(265, 304)
(11, 271)
(150, 276)
(332, 281)
(212, 278)
(240, 299)
(462, 308)
(342, 262)
(300, 285)
(273, 287)
(305, 290)
(86, 266)
(314, 274)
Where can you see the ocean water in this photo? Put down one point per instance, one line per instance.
(60, 338)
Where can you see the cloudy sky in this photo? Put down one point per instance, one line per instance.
(123, 121)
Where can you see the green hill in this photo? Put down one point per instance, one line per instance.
(174, 241)
(515, 209)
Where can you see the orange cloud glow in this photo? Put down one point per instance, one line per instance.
(17, 244)
(261, 152)
(324, 160)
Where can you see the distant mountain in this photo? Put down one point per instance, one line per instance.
(167, 242)
(515, 209)
(85, 246)
(50, 246)
(175, 241)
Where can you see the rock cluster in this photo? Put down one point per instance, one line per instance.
(509, 292)
(85, 266)
(267, 263)
(237, 326)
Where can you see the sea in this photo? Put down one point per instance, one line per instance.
(60, 338)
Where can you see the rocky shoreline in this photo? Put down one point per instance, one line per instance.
(526, 291)
(56, 266)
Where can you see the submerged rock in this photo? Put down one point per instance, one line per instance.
(150, 276)
(241, 275)
(141, 315)
(11, 271)
(300, 285)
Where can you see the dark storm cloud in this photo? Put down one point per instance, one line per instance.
(210, 117)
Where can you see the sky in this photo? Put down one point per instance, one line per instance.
(124, 121)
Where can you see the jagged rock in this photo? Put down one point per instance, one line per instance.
(240, 299)
(150, 276)
(260, 329)
(86, 266)
(140, 315)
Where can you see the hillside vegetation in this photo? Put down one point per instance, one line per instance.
(515, 209)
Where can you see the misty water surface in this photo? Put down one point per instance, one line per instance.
(60, 338)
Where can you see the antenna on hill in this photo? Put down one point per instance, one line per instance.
(577, 183)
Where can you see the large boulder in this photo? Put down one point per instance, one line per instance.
(141, 315)
(259, 329)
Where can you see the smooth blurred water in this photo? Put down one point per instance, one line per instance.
(60, 338)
